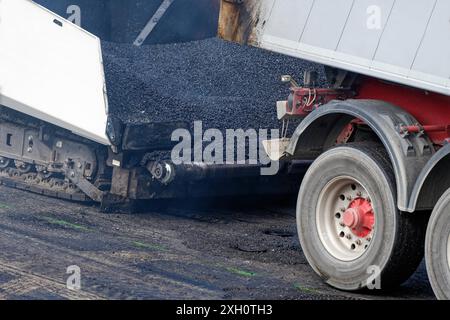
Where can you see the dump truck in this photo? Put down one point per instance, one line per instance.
(378, 135)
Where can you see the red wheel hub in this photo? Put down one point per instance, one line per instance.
(359, 217)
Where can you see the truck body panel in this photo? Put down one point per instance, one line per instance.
(52, 70)
(399, 41)
(387, 102)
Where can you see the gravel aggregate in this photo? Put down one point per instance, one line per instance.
(222, 84)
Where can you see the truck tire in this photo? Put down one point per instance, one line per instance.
(350, 229)
(437, 248)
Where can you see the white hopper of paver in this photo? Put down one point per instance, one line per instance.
(52, 70)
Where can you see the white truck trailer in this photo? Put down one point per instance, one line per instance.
(379, 134)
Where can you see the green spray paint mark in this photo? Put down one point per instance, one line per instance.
(4, 206)
(240, 272)
(305, 289)
(65, 224)
(149, 246)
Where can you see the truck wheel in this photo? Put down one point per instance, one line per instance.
(437, 248)
(350, 229)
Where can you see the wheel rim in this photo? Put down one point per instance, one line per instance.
(345, 218)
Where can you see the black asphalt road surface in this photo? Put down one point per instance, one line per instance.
(205, 250)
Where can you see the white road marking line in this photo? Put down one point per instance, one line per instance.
(153, 22)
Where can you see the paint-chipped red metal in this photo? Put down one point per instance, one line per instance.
(359, 217)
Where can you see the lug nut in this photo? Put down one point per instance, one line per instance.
(349, 236)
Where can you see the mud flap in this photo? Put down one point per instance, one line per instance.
(275, 148)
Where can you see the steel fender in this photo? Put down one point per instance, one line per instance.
(439, 185)
(409, 154)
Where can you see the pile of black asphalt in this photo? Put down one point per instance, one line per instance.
(222, 84)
